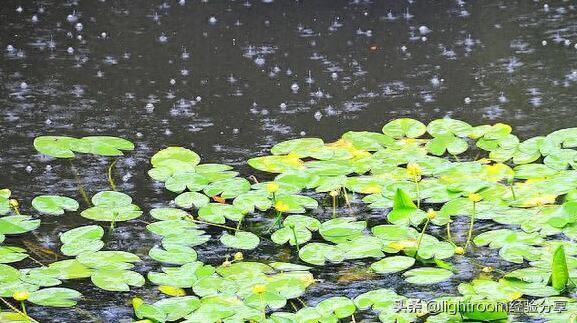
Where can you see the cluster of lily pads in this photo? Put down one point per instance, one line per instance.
(418, 179)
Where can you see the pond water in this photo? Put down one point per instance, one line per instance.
(229, 79)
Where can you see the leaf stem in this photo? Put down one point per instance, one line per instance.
(472, 223)
(418, 193)
(292, 227)
(421, 236)
(80, 187)
(10, 306)
(449, 237)
(110, 178)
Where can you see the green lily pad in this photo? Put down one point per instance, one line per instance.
(187, 200)
(54, 204)
(427, 275)
(113, 207)
(55, 297)
(404, 127)
(240, 240)
(393, 264)
(16, 224)
(116, 280)
(173, 254)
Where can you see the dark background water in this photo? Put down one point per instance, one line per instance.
(231, 78)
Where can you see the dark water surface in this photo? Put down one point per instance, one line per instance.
(231, 78)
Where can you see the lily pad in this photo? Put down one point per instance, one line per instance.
(54, 204)
(427, 275)
(393, 264)
(240, 240)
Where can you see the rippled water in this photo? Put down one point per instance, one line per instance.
(231, 78)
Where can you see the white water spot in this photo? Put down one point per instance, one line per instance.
(149, 107)
(259, 61)
(48, 168)
(70, 50)
(19, 10)
(71, 18)
(334, 76)
(544, 43)
(424, 30)
(34, 19)
(212, 20)
(10, 48)
(23, 85)
(295, 87)
(303, 133)
(78, 27)
(318, 115)
(467, 100)
(29, 169)
(103, 35)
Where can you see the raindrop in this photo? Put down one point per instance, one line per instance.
(259, 61)
(318, 115)
(544, 43)
(424, 30)
(172, 81)
(302, 133)
(103, 35)
(72, 18)
(295, 87)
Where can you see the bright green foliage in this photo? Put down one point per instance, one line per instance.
(54, 204)
(65, 147)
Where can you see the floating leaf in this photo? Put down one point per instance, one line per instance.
(342, 229)
(16, 224)
(55, 146)
(427, 275)
(55, 297)
(54, 204)
(112, 206)
(218, 213)
(189, 199)
(393, 264)
(240, 240)
(173, 254)
(116, 280)
(108, 260)
(404, 127)
(228, 188)
(317, 253)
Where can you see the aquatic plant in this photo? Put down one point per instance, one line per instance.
(518, 198)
